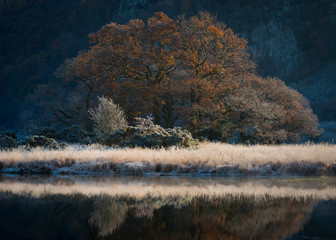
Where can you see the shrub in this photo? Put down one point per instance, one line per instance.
(75, 134)
(7, 141)
(147, 135)
(107, 117)
(71, 134)
(41, 141)
(47, 132)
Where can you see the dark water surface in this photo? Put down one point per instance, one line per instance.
(77, 207)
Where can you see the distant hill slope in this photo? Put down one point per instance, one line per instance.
(290, 39)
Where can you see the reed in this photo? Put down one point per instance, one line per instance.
(207, 159)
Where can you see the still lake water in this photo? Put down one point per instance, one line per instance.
(98, 207)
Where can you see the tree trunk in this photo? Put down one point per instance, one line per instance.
(157, 113)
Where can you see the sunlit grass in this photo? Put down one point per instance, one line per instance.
(208, 159)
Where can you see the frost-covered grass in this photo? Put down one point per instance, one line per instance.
(207, 159)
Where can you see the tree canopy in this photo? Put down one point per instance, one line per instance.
(194, 73)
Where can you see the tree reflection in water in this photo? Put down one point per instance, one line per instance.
(69, 215)
(108, 215)
(227, 217)
(79, 216)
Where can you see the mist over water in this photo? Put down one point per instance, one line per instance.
(96, 207)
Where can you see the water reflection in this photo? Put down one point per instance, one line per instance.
(52, 208)
(108, 215)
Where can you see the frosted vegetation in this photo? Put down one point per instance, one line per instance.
(215, 159)
(107, 117)
(146, 134)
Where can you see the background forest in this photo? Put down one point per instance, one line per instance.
(293, 40)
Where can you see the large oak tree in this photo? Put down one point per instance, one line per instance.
(162, 67)
(195, 73)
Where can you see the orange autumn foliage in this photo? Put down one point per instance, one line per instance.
(165, 67)
(194, 73)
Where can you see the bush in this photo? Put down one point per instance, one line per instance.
(147, 135)
(7, 141)
(75, 134)
(41, 141)
(47, 132)
(107, 117)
